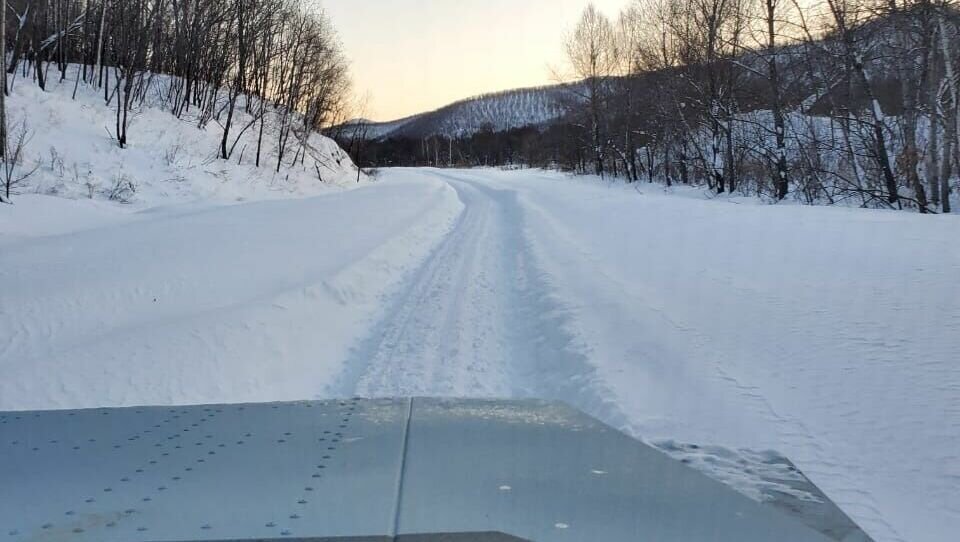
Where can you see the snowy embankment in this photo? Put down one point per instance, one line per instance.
(71, 150)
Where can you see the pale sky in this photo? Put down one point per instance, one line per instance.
(418, 55)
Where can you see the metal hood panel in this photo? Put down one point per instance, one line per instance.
(414, 470)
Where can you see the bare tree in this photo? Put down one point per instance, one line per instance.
(591, 53)
(3, 90)
(771, 13)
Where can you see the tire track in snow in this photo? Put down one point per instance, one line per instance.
(440, 334)
(478, 319)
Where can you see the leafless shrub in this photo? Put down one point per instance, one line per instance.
(56, 162)
(92, 187)
(172, 155)
(123, 189)
(13, 175)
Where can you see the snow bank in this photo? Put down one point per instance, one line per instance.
(37, 216)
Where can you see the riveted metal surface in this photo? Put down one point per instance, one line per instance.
(544, 471)
(201, 473)
(357, 470)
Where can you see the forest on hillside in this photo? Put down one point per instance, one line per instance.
(849, 102)
(240, 65)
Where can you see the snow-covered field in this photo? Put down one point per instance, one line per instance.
(828, 334)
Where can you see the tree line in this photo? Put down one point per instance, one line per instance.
(841, 101)
(837, 102)
(202, 60)
(528, 146)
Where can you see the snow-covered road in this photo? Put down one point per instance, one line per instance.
(828, 334)
(445, 332)
(476, 319)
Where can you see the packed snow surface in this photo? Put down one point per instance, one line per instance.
(827, 334)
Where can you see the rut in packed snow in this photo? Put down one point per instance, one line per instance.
(476, 319)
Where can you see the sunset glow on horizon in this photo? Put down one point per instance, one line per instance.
(411, 56)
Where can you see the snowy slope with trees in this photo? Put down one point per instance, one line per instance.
(153, 102)
(498, 111)
(69, 151)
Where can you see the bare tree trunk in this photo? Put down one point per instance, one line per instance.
(781, 182)
(97, 68)
(3, 91)
(667, 169)
(38, 51)
(951, 146)
(595, 128)
(932, 165)
(728, 162)
(855, 61)
(239, 82)
(911, 84)
(684, 168)
(63, 40)
(260, 135)
(879, 134)
(17, 42)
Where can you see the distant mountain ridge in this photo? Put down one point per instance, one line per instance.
(505, 110)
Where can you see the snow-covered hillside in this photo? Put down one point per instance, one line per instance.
(827, 334)
(71, 150)
(368, 129)
(498, 111)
